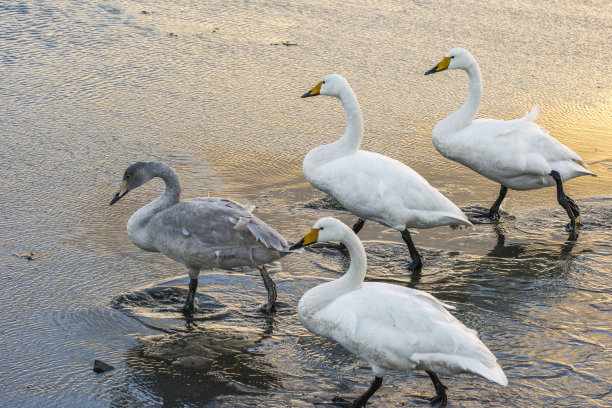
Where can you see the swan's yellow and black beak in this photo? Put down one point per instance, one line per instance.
(440, 67)
(123, 190)
(314, 91)
(310, 238)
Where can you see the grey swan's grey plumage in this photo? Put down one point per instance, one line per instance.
(392, 327)
(518, 154)
(201, 233)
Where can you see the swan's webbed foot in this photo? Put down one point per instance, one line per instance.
(268, 308)
(341, 402)
(576, 212)
(574, 208)
(493, 213)
(361, 401)
(337, 402)
(415, 266)
(569, 205)
(188, 309)
(440, 399)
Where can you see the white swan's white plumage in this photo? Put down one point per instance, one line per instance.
(370, 185)
(391, 327)
(200, 233)
(518, 154)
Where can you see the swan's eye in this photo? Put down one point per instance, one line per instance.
(452, 57)
(127, 176)
(323, 82)
(321, 229)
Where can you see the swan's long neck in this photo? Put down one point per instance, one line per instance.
(353, 277)
(350, 140)
(353, 133)
(322, 295)
(466, 114)
(140, 218)
(347, 144)
(172, 194)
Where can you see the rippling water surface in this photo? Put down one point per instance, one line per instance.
(212, 88)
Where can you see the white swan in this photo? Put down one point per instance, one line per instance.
(370, 185)
(518, 154)
(391, 327)
(201, 233)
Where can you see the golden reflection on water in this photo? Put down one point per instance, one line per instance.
(587, 130)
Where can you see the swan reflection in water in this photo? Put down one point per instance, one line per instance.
(198, 367)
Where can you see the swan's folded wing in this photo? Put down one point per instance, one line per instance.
(399, 328)
(217, 223)
(515, 148)
(391, 317)
(385, 190)
(503, 127)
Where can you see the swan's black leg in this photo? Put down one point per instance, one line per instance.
(270, 287)
(362, 399)
(416, 263)
(356, 228)
(494, 211)
(189, 308)
(567, 203)
(358, 225)
(440, 397)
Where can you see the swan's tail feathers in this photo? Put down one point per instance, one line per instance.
(585, 166)
(467, 223)
(571, 167)
(262, 232)
(453, 364)
(452, 216)
(250, 207)
(496, 374)
(530, 116)
(456, 221)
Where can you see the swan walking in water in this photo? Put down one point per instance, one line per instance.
(370, 185)
(518, 154)
(200, 233)
(391, 327)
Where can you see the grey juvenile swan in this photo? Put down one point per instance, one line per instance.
(201, 233)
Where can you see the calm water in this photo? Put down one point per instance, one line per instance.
(209, 88)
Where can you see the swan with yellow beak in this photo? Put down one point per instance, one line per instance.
(393, 328)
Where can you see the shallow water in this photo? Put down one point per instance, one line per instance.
(210, 89)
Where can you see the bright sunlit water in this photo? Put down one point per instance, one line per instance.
(212, 88)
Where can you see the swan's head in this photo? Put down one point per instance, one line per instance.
(457, 58)
(135, 176)
(326, 229)
(332, 84)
